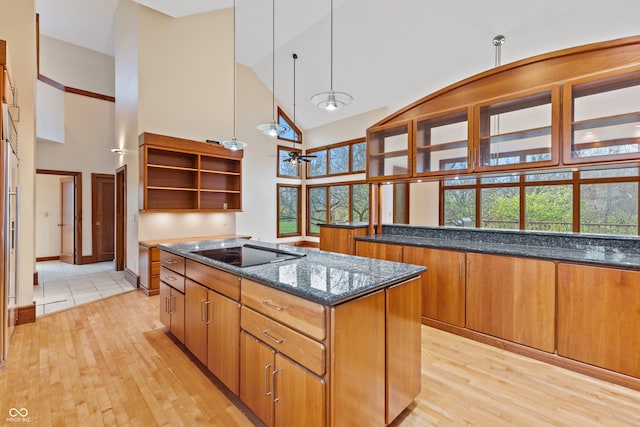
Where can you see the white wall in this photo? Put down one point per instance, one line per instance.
(18, 28)
(424, 202)
(47, 215)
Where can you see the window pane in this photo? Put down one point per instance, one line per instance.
(460, 207)
(504, 179)
(548, 176)
(360, 202)
(609, 173)
(459, 181)
(339, 160)
(609, 208)
(319, 164)
(549, 208)
(338, 203)
(500, 207)
(285, 168)
(317, 208)
(288, 214)
(358, 156)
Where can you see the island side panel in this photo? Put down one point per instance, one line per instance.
(358, 362)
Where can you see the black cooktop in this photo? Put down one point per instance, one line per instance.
(247, 255)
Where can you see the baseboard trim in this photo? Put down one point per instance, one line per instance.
(131, 277)
(48, 258)
(550, 358)
(26, 314)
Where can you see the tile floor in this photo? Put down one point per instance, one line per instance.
(62, 285)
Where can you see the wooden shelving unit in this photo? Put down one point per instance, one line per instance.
(183, 175)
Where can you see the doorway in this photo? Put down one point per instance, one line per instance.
(121, 212)
(103, 217)
(58, 238)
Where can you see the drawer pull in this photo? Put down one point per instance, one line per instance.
(267, 391)
(273, 385)
(170, 261)
(270, 304)
(171, 278)
(272, 338)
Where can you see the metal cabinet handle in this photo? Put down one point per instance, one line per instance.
(272, 338)
(267, 390)
(170, 261)
(206, 312)
(468, 267)
(270, 304)
(273, 385)
(202, 315)
(166, 304)
(171, 278)
(460, 261)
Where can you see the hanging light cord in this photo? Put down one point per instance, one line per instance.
(234, 69)
(295, 56)
(331, 59)
(273, 60)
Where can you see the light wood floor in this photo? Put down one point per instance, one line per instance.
(110, 363)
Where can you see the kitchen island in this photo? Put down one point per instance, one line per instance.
(306, 338)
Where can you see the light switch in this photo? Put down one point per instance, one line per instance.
(46, 214)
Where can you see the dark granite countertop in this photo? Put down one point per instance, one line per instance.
(324, 277)
(588, 252)
(346, 225)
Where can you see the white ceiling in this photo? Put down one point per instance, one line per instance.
(386, 53)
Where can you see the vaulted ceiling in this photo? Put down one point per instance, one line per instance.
(386, 53)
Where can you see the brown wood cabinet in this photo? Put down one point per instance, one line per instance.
(172, 310)
(340, 239)
(183, 175)
(512, 298)
(599, 317)
(149, 269)
(443, 284)
(384, 251)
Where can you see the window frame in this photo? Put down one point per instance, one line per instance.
(292, 125)
(299, 166)
(326, 186)
(279, 234)
(576, 181)
(328, 149)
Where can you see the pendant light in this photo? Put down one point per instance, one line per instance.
(272, 128)
(331, 100)
(233, 144)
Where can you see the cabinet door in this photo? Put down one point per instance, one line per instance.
(257, 364)
(176, 305)
(223, 339)
(599, 317)
(165, 299)
(443, 284)
(195, 326)
(379, 251)
(389, 151)
(299, 395)
(403, 350)
(336, 239)
(512, 298)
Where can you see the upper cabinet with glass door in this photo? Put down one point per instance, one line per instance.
(518, 132)
(602, 117)
(389, 151)
(442, 143)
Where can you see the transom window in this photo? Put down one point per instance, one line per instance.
(338, 159)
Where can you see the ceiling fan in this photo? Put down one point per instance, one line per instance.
(295, 158)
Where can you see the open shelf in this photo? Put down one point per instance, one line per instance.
(182, 175)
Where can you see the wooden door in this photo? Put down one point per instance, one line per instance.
(443, 284)
(512, 298)
(195, 326)
(299, 395)
(337, 239)
(599, 317)
(68, 220)
(121, 218)
(103, 213)
(223, 340)
(257, 363)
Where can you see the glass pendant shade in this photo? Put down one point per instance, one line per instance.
(331, 100)
(272, 129)
(233, 144)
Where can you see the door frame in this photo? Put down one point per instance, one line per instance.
(121, 216)
(78, 216)
(95, 177)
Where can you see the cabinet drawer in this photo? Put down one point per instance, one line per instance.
(302, 349)
(172, 279)
(305, 316)
(155, 268)
(217, 280)
(172, 262)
